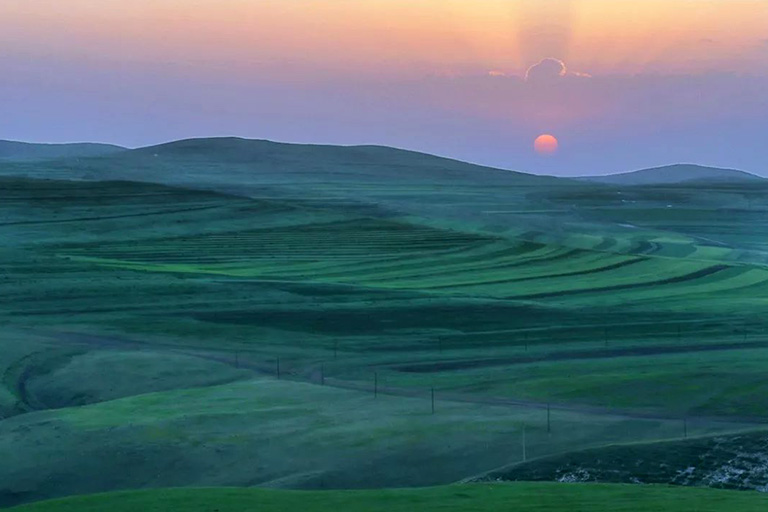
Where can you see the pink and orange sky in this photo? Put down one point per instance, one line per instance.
(622, 84)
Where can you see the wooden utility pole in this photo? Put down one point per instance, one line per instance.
(433, 400)
(549, 419)
(525, 448)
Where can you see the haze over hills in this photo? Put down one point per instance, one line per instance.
(26, 151)
(440, 191)
(677, 173)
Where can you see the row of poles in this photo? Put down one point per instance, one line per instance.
(278, 374)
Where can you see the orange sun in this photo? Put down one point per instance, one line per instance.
(546, 144)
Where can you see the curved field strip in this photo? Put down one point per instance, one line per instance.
(532, 268)
(112, 217)
(713, 269)
(464, 254)
(620, 264)
(378, 253)
(351, 240)
(730, 285)
(505, 285)
(445, 270)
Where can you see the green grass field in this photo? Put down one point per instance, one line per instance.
(248, 332)
(480, 498)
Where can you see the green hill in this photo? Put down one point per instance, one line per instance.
(464, 498)
(24, 151)
(282, 316)
(144, 326)
(318, 162)
(671, 174)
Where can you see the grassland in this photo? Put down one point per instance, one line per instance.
(247, 332)
(475, 498)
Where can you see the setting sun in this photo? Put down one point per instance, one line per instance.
(546, 144)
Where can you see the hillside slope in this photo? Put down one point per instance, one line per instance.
(678, 173)
(25, 151)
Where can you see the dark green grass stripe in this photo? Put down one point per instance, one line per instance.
(455, 266)
(672, 280)
(606, 268)
(111, 217)
(532, 261)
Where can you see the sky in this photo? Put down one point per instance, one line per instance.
(622, 84)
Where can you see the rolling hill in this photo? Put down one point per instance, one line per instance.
(313, 317)
(149, 325)
(25, 151)
(675, 174)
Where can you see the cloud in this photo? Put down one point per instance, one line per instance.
(547, 70)
(496, 73)
(551, 70)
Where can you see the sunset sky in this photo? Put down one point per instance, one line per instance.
(622, 84)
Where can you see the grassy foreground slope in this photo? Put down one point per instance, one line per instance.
(465, 498)
(726, 461)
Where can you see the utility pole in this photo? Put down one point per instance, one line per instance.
(433, 400)
(375, 385)
(525, 454)
(549, 419)
(278, 368)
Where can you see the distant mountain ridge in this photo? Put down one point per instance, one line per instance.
(27, 151)
(673, 174)
(303, 158)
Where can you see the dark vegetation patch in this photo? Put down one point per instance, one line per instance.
(727, 462)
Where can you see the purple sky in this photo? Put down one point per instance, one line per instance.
(680, 82)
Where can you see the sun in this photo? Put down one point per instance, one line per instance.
(546, 144)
